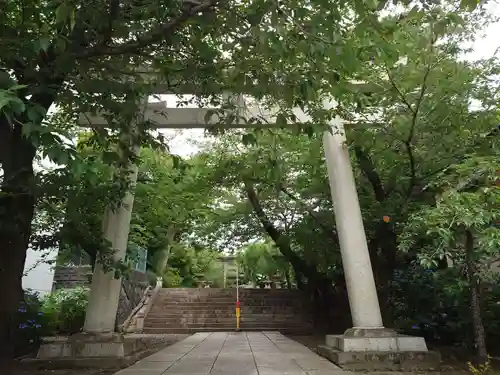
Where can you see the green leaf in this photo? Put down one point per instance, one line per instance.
(359, 5)
(281, 120)
(381, 4)
(43, 43)
(64, 12)
(309, 130)
(35, 113)
(28, 128)
(248, 139)
(17, 87)
(469, 5)
(17, 105)
(110, 157)
(4, 99)
(176, 161)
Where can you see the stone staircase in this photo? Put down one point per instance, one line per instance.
(188, 310)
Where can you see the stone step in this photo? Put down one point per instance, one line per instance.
(247, 318)
(182, 330)
(225, 320)
(229, 291)
(283, 322)
(210, 314)
(164, 330)
(190, 310)
(230, 303)
(269, 326)
(257, 301)
(223, 305)
(231, 312)
(251, 300)
(215, 309)
(233, 295)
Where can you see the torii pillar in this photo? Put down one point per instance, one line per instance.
(360, 282)
(99, 342)
(367, 345)
(100, 317)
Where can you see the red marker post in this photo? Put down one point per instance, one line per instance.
(237, 297)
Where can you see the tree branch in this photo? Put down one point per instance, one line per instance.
(5, 136)
(273, 232)
(331, 233)
(368, 169)
(155, 36)
(400, 93)
(418, 104)
(113, 12)
(409, 139)
(281, 241)
(413, 170)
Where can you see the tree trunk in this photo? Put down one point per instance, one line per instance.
(281, 241)
(165, 253)
(475, 303)
(298, 278)
(319, 285)
(287, 278)
(387, 240)
(17, 203)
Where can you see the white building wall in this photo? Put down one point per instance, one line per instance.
(38, 275)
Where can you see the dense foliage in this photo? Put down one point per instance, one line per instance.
(261, 262)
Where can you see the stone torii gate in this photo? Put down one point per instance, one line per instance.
(360, 282)
(368, 334)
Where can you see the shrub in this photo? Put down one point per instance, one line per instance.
(65, 310)
(172, 278)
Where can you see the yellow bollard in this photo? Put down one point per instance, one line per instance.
(237, 315)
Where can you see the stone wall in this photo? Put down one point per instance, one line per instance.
(130, 295)
(71, 277)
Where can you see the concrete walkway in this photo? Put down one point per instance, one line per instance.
(238, 353)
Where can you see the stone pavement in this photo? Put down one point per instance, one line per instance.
(234, 353)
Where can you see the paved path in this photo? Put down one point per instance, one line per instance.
(235, 353)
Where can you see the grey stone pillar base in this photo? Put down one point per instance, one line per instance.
(85, 345)
(370, 332)
(94, 350)
(379, 349)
